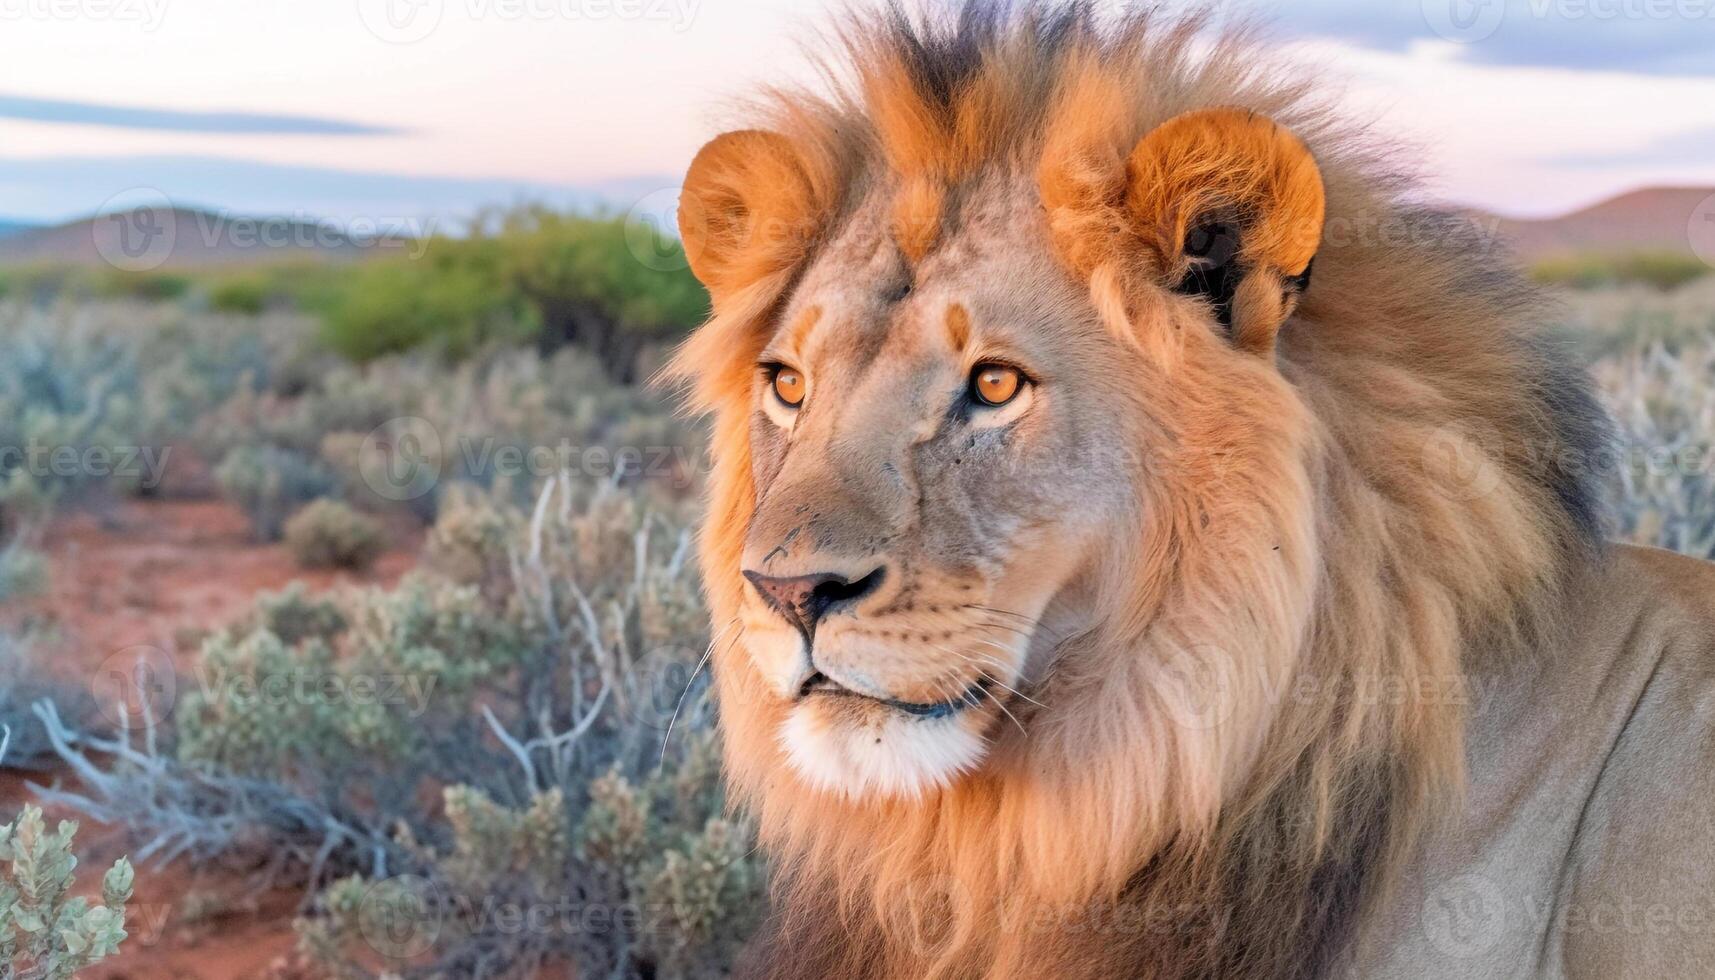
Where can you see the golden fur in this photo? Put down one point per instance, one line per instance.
(1359, 493)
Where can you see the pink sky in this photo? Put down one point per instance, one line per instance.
(569, 92)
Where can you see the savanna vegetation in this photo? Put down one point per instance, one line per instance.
(507, 760)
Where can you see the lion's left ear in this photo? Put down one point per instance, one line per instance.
(1233, 205)
(748, 210)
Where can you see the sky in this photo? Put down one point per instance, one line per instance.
(415, 112)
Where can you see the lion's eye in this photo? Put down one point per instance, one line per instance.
(789, 386)
(995, 384)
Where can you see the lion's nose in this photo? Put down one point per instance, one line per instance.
(805, 599)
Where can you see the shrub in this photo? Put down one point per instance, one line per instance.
(591, 289)
(340, 399)
(293, 615)
(1611, 323)
(44, 935)
(21, 683)
(269, 484)
(1665, 480)
(445, 303)
(242, 296)
(525, 274)
(330, 534)
(471, 543)
(469, 745)
(385, 700)
(66, 387)
(22, 570)
(1660, 270)
(148, 286)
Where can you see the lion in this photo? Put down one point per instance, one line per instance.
(1144, 542)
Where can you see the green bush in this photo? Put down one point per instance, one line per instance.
(1662, 270)
(242, 296)
(528, 274)
(147, 286)
(593, 289)
(45, 935)
(22, 570)
(471, 543)
(523, 760)
(1609, 324)
(293, 615)
(309, 711)
(269, 484)
(444, 302)
(67, 390)
(118, 386)
(330, 534)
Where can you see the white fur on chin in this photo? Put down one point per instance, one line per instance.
(901, 756)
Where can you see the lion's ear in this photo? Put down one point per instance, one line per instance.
(747, 210)
(1233, 205)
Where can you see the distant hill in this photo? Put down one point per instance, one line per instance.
(1653, 219)
(181, 238)
(1647, 220)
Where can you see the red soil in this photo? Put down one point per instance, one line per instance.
(161, 573)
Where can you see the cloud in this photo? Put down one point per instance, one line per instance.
(56, 189)
(1646, 37)
(172, 120)
(1692, 147)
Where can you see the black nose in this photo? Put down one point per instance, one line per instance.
(805, 599)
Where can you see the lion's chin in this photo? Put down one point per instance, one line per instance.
(870, 751)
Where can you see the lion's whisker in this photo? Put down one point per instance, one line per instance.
(998, 665)
(994, 680)
(1051, 635)
(707, 655)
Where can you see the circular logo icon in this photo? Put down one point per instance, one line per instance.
(1701, 230)
(1464, 21)
(652, 231)
(400, 917)
(931, 912)
(401, 21)
(135, 230)
(1201, 685)
(1458, 465)
(668, 689)
(400, 459)
(135, 686)
(1465, 916)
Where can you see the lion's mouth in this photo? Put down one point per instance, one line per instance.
(821, 684)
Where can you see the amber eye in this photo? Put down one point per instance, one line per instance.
(995, 384)
(788, 386)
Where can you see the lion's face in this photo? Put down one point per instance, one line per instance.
(934, 456)
(960, 434)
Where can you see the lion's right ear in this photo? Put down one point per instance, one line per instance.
(748, 210)
(1232, 205)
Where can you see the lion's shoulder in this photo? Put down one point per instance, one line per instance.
(1675, 590)
(1587, 840)
(1638, 898)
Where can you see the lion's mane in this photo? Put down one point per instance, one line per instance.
(1421, 472)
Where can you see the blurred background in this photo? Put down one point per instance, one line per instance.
(346, 574)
